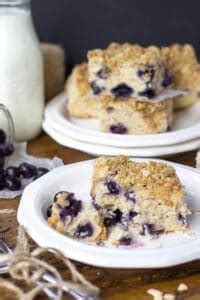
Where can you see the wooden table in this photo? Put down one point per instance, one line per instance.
(117, 284)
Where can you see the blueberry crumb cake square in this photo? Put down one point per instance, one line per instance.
(130, 203)
(182, 62)
(135, 117)
(126, 70)
(146, 196)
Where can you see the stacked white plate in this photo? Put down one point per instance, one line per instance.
(85, 134)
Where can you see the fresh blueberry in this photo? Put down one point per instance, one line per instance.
(13, 183)
(2, 136)
(149, 93)
(112, 218)
(27, 170)
(132, 214)
(2, 161)
(122, 90)
(151, 229)
(84, 231)
(113, 187)
(103, 73)
(130, 196)
(96, 89)
(148, 71)
(40, 172)
(72, 209)
(118, 128)
(12, 172)
(182, 219)
(6, 149)
(49, 211)
(125, 241)
(167, 80)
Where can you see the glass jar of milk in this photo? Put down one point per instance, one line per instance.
(21, 69)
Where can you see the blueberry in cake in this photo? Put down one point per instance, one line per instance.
(135, 117)
(75, 218)
(81, 103)
(183, 64)
(126, 70)
(145, 196)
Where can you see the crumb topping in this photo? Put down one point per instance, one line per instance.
(116, 55)
(159, 179)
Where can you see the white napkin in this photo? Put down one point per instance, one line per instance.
(20, 156)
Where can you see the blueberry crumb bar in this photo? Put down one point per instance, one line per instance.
(126, 70)
(135, 117)
(75, 218)
(182, 62)
(80, 103)
(145, 196)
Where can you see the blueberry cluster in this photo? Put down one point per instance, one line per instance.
(11, 177)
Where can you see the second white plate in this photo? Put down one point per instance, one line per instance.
(186, 126)
(97, 150)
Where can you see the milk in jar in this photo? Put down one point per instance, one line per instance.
(21, 69)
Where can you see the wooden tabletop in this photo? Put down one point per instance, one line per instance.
(118, 284)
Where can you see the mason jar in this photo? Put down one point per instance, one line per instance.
(21, 69)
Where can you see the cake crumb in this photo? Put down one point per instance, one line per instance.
(169, 297)
(156, 294)
(182, 287)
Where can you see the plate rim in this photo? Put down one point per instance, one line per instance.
(40, 226)
(85, 135)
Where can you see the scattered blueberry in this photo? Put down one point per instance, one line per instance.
(122, 90)
(182, 219)
(167, 80)
(84, 231)
(12, 172)
(40, 172)
(13, 183)
(130, 196)
(112, 218)
(6, 149)
(103, 73)
(27, 170)
(2, 184)
(2, 161)
(149, 93)
(118, 128)
(2, 136)
(49, 211)
(113, 187)
(96, 89)
(125, 241)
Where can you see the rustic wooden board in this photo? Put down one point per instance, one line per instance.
(115, 284)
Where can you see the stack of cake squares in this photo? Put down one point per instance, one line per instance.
(120, 84)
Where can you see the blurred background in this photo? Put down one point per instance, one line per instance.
(80, 25)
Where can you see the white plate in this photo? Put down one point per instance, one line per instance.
(186, 126)
(175, 248)
(97, 150)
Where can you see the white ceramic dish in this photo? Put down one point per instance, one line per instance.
(186, 126)
(97, 150)
(175, 249)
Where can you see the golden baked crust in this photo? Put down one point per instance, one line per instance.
(159, 180)
(116, 55)
(182, 62)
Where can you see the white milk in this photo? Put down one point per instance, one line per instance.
(21, 72)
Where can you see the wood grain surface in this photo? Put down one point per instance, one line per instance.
(116, 284)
